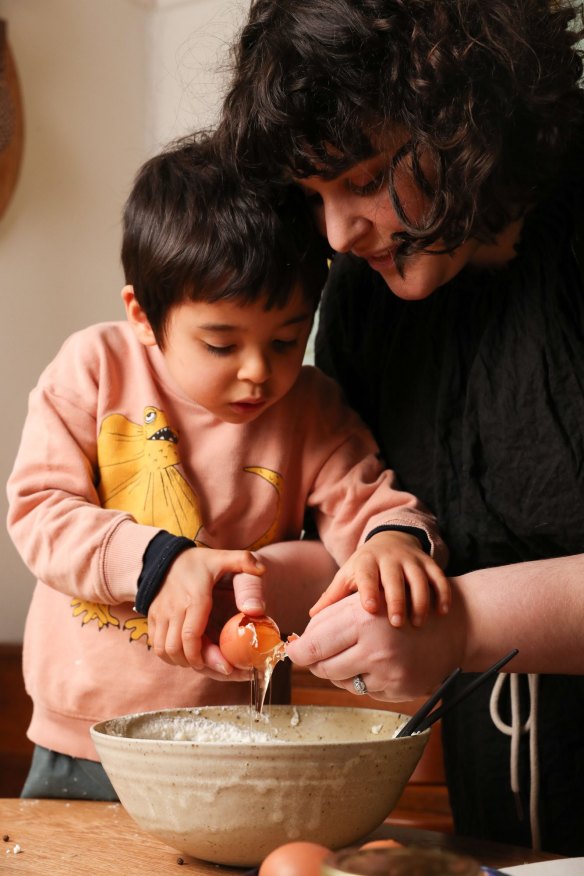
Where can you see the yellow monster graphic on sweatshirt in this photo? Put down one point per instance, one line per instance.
(138, 466)
(139, 474)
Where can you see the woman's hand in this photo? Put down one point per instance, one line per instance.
(396, 664)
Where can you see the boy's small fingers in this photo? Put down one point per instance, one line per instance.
(320, 603)
(214, 659)
(175, 641)
(192, 651)
(419, 594)
(167, 644)
(395, 597)
(341, 585)
(253, 564)
(193, 628)
(249, 595)
(367, 577)
(240, 561)
(330, 595)
(157, 632)
(368, 587)
(443, 591)
(396, 611)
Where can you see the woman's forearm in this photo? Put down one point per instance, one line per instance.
(297, 572)
(537, 607)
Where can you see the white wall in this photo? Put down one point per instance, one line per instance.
(189, 48)
(105, 83)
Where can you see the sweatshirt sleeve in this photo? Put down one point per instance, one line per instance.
(55, 519)
(354, 493)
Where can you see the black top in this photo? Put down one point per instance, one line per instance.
(475, 396)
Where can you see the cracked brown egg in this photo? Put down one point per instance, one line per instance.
(251, 642)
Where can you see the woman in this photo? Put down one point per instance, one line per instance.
(441, 145)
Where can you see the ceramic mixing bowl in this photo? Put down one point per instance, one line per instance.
(215, 784)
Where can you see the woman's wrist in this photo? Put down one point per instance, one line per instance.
(460, 634)
(297, 572)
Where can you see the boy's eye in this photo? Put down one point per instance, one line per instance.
(220, 351)
(282, 346)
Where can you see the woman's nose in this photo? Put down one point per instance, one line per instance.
(255, 367)
(343, 226)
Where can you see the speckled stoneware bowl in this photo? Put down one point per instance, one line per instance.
(215, 784)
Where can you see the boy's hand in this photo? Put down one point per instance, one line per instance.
(396, 562)
(179, 614)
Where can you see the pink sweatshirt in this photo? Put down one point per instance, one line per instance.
(111, 453)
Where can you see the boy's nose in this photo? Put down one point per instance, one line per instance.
(255, 368)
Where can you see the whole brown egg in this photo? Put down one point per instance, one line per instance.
(294, 859)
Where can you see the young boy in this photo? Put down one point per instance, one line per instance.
(160, 452)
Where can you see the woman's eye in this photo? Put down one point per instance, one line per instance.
(220, 351)
(313, 199)
(371, 187)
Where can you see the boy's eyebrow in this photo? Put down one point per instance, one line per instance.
(301, 317)
(217, 327)
(226, 327)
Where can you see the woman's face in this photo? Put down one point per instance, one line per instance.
(355, 212)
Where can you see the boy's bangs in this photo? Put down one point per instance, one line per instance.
(245, 285)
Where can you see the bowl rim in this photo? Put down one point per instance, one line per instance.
(98, 733)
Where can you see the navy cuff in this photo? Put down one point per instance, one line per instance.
(158, 556)
(420, 534)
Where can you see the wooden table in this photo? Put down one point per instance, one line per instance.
(76, 838)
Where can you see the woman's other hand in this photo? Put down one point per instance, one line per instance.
(396, 664)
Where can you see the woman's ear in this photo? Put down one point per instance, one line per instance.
(137, 318)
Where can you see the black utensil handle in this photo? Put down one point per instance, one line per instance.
(413, 724)
(470, 688)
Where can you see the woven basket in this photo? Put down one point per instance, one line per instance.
(11, 121)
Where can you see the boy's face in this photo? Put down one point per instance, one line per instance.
(234, 360)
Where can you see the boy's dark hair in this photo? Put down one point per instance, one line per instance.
(487, 90)
(195, 229)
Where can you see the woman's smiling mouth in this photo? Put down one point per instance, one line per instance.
(380, 260)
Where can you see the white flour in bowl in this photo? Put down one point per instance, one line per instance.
(203, 730)
(194, 728)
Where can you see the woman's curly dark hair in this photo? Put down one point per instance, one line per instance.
(489, 91)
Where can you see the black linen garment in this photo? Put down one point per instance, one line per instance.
(476, 398)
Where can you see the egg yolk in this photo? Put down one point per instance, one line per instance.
(251, 643)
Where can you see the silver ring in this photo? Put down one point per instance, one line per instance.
(359, 685)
